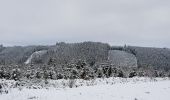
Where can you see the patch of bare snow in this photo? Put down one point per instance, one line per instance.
(35, 54)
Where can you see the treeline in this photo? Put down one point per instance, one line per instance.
(64, 53)
(77, 70)
(61, 53)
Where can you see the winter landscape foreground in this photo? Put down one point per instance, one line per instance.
(97, 89)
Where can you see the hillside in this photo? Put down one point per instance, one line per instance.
(91, 52)
(122, 58)
(158, 58)
(18, 54)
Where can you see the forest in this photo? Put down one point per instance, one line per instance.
(86, 60)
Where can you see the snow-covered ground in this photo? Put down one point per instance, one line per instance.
(98, 89)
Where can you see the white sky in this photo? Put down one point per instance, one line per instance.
(117, 22)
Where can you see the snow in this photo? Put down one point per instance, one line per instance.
(35, 54)
(99, 89)
(122, 58)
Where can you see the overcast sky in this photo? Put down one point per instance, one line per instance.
(117, 22)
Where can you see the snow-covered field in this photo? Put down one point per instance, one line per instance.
(98, 89)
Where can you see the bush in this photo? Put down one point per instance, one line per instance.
(87, 73)
(0, 86)
(74, 73)
(132, 74)
(50, 75)
(83, 75)
(169, 74)
(120, 73)
(1, 74)
(156, 74)
(99, 73)
(60, 76)
(141, 74)
(161, 74)
(3, 90)
(16, 74)
(38, 75)
(71, 83)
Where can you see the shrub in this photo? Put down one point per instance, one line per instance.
(74, 73)
(156, 74)
(161, 74)
(0, 86)
(1, 74)
(71, 83)
(141, 74)
(99, 73)
(60, 76)
(38, 75)
(45, 74)
(16, 74)
(82, 75)
(3, 90)
(169, 74)
(120, 73)
(109, 72)
(132, 74)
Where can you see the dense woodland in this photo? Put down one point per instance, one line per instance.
(86, 60)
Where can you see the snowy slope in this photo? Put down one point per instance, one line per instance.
(122, 58)
(35, 55)
(120, 89)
